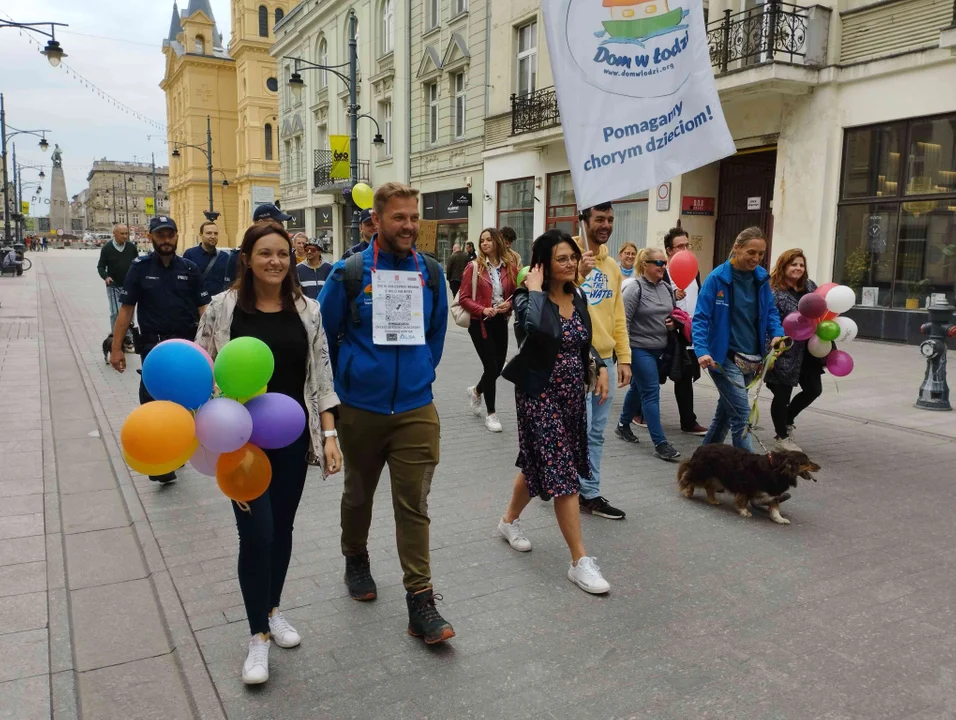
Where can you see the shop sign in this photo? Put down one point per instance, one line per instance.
(691, 205)
(323, 216)
(664, 197)
(298, 220)
(875, 229)
(445, 205)
(753, 203)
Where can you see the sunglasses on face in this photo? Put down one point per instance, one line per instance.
(658, 263)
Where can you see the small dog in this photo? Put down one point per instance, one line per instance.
(127, 347)
(751, 478)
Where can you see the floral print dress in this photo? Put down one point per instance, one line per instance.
(553, 427)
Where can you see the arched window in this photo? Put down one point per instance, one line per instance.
(200, 45)
(263, 21)
(388, 26)
(267, 131)
(280, 13)
(323, 60)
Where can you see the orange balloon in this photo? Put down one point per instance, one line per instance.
(247, 479)
(158, 433)
(162, 468)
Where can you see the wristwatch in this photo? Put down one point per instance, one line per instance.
(330, 434)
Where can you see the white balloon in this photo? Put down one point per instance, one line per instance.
(848, 329)
(819, 348)
(840, 299)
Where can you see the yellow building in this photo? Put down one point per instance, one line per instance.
(236, 88)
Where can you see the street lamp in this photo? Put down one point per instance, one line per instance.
(18, 184)
(53, 52)
(296, 84)
(4, 136)
(211, 215)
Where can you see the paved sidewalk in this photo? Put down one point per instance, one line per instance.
(847, 613)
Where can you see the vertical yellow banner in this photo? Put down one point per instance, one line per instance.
(339, 145)
(150, 206)
(25, 207)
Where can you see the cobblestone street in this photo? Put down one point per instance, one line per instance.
(846, 613)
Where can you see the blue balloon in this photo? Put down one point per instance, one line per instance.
(178, 372)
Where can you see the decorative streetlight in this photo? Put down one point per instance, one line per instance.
(211, 215)
(296, 84)
(53, 52)
(4, 136)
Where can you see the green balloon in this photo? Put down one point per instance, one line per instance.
(523, 273)
(243, 367)
(828, 330)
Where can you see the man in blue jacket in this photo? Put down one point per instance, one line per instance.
(384, 372)
(735, 319)
(210, 260)
(312, 271)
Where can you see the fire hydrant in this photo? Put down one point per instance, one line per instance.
(934, 392)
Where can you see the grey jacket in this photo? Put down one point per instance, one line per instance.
(646, 307)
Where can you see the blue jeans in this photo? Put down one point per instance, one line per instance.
(597, 421)
(645, 392)
(733, 408)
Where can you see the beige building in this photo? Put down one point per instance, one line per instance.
(844, 118)
(449, 41)
(117, 193)
(318, 33)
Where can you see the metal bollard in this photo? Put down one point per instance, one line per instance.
(934, 392)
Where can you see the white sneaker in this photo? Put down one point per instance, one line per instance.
(474, 401)
(512, 533)
(493, 423)
(787, 444)
(284, 635)
(587, 576)
(255, 670)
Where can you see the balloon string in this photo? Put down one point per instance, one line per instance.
(244, 506)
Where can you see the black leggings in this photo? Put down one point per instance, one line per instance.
(492, 350)
(265, 533)
(783, 410)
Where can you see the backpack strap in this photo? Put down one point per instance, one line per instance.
(434, 275)
(354, 269)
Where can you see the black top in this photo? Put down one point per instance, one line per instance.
(116, 263)
(285, 335)
(214, 277)
(455, 265)
(168, 298)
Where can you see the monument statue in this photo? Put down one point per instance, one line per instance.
(59, 207)
(57, 157)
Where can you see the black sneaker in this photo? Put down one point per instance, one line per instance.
(625, 433)
(666, 451)
(601, 507)
(164, 479)
(424, 620)
(358, 576)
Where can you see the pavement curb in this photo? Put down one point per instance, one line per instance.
(202, 698)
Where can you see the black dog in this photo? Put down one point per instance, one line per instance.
(746, 475)
(108, 343)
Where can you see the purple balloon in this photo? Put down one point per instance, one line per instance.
(204, 461)
(839, 363)
(813, 306)
(223, 425)
(798, 326)
(277, 420)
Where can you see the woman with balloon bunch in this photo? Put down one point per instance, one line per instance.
(266, 307)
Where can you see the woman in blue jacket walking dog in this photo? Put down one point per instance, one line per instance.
(736, 315)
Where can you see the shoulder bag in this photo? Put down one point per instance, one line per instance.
(461, 316)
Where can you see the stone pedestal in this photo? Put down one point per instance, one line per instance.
(59, 205)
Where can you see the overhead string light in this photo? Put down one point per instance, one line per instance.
(93, 88)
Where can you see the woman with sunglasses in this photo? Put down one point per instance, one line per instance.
(648, 308)
(551, 373)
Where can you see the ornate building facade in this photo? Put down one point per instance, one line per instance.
(235, 88)
(117, 193)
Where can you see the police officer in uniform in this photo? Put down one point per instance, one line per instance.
(168, 290)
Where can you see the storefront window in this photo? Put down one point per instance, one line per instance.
(896, 233)
(452, 217)
(516, 210)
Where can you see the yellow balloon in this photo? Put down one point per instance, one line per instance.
(246, 399)
(362, 196)
(161, 468)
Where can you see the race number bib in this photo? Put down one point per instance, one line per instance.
(398, 317)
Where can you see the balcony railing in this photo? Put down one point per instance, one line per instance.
(323, 166)
(774, 32)
(534, 111)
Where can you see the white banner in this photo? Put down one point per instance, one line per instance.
(636, 93)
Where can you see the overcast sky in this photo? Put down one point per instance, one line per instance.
(117, 45)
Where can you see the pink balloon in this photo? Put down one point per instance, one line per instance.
(813, 306)
(200, 348)
(204, 461)
(798, 326)
(839, 363)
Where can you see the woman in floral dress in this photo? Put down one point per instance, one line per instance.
(550, 373)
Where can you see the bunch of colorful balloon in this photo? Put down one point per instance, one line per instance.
(222, 437)
(817, 321)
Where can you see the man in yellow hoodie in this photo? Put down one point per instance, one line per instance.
(602, 286)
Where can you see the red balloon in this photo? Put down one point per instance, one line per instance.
(683, 268)
(829, 316)
(825, 288)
